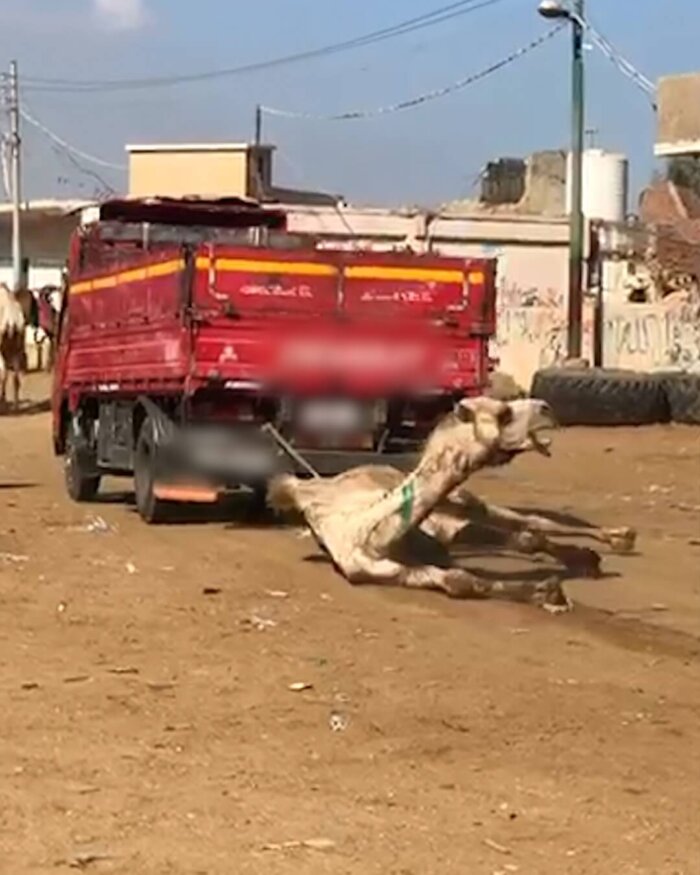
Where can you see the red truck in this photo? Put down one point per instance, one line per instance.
(187, 325)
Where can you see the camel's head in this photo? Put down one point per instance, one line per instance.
(510, 427)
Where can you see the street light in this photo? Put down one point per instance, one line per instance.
(555, 9)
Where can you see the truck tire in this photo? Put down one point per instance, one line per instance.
(683, 393)
(82, 484)
(595, 396)
(150, 509)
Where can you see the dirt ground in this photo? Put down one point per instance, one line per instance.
(148, 726)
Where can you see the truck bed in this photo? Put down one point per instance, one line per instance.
(179, 319)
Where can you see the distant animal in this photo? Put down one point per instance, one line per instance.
(48, 307)
(15, 315)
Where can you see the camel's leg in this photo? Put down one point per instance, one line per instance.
(528, 526)
(460, 584)
(15, 389)
(446, 522)
(3, 385)
(621, 540)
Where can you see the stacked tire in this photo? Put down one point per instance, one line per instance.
(683, 395)
(598, 396)
(601, 396)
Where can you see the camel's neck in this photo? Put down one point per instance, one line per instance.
(406, 506)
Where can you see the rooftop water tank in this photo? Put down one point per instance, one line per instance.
(605, 185)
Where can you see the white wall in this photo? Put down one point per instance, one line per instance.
(39, 276)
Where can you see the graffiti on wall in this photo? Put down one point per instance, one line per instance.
(642, 337)
(653, 336)
(533, 337)
(513, 295)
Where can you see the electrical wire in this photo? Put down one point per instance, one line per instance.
(437, 16)
(67, 147)
(623, 65)
(618, 59)
(103, 190)
(412, 102)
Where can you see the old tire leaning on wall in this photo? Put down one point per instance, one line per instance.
(596, 396)
(683, 394)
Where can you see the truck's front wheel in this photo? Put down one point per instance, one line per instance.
(82, 483)
(151, 509)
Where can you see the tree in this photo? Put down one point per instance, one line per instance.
(685, 171)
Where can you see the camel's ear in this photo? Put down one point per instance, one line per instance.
(469, 409)
(465, 410)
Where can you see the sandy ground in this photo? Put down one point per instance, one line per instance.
(147, 723)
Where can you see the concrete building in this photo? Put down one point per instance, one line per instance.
(678, 116)
(211, 170)
(220, 169)
(46, 229)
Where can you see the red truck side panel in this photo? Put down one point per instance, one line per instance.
(127, 326)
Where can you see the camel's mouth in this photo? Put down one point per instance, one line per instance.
(541, 426)
(528, 428)
(541, 443)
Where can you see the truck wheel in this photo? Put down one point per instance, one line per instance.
(258, 509)
(595, 396)
(683, 393)
(151, 510)
(82, 483)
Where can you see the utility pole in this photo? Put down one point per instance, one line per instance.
(16, 177)
(573, 12)
(576, 229)
(258, 125)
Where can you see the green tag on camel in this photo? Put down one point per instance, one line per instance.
(408, 494)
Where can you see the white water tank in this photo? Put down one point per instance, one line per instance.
(605, 185)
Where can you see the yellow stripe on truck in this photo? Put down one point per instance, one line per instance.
(420, 274)
(152, 271)
(244, 265)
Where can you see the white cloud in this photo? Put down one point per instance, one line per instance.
(121, 14)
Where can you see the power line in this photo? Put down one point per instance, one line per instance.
(412, 102)
(618, 59)
(67, 147)
(429, 19)
(623, 65)
(103, 187)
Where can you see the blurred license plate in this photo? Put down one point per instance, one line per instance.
(330, 416)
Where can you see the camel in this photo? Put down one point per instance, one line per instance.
(15, 311)
(379, 525)
(48, 306)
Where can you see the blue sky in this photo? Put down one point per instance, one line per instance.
(427, 155)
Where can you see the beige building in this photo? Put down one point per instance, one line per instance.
(215, 169)
(212, 170)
